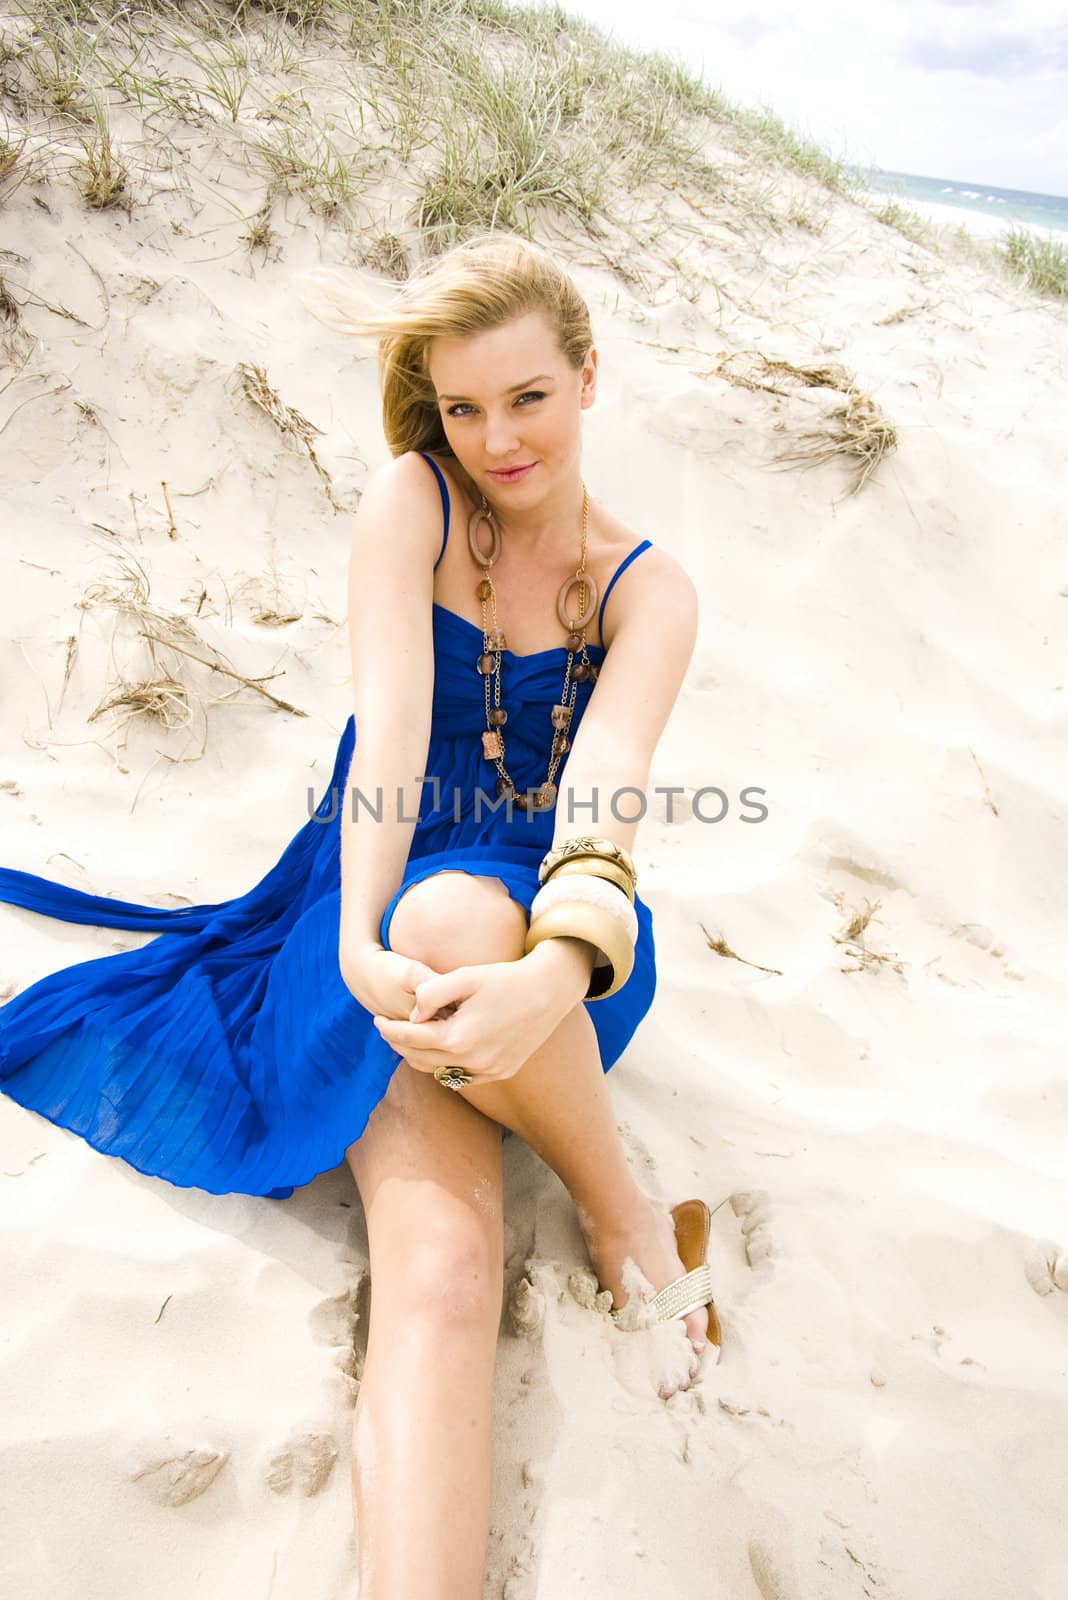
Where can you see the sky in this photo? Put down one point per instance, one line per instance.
(975, 90)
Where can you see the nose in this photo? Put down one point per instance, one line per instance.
(501, 439)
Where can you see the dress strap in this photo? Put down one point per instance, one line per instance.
(444, 500)
(623, 565)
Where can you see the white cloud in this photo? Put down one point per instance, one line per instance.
(959, 89)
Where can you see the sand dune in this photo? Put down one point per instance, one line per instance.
(873, 1093)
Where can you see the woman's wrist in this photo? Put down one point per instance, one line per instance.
(565, 963)
(356, 950)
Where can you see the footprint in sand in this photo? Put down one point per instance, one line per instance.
(524, 1310)
(1045, 1266)
(771, 1555)
(333, 1321)
(174, 1478)
(582, 1287)
(752, 1208)
(773, 1571)
(843, 1556)
(341, 1323)
(304, 1463)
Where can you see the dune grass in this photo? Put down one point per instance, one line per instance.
(1039, 262)
(1042, 262)
(385, 130)
(486, 113)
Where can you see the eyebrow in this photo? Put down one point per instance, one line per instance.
(538, 376)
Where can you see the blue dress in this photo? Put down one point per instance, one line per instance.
(227, 1054)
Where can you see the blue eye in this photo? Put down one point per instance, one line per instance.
(535, 394)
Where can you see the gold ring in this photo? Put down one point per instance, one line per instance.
(453, 1077)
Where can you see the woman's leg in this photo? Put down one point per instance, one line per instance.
(428, 1169)
(558, 1102)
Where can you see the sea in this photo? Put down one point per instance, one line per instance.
(706, 38)
(983, 208)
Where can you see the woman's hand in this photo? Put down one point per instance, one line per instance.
(491, 1018)
(384, 982)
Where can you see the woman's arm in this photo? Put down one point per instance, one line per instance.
(395, 541)
(644, 667)
(507, 1010)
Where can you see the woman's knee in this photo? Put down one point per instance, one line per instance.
(455, 919)
(446, 1268)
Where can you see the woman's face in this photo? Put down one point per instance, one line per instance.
(508, 397)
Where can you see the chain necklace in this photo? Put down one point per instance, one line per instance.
(543, 798)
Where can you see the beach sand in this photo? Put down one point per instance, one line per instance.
(861, 1066)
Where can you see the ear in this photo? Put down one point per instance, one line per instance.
(588, 392)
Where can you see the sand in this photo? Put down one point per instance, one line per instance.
(873, 1095)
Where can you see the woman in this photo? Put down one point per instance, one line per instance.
(400, 991)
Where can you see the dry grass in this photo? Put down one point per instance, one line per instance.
(259, 234)
(852, 937)
(168, 694)
(9, 308)
(290, 422)
(856, 432)
(105, 177)
(10, 153)
(720, 947)
(16, 341)
(269, 605)
(405, 124)
(164, 700)
(481, 113)
(386, 254)
(163, 696)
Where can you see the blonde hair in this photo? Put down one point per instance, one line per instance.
(477, 284)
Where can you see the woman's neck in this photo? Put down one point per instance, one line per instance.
(549, 528)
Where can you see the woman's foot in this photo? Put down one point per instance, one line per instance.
(649, 1240)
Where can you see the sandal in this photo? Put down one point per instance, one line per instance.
(693, 1221)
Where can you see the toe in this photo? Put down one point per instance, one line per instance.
(697, 1326)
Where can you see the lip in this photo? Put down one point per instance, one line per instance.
(512, 474)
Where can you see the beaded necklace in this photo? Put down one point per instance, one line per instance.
(543, 798)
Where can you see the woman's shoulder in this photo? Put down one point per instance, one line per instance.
(448, 466)
(622, 540)
(407, 481)
(400, 499)
(643, 581)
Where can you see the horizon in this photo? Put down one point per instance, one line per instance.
(984, 87)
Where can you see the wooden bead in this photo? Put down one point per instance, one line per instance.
(593, 672)
(479, 516)
(491, 744)
(505, 787)
(545, 797)
(574, 642)
(484, 589)
(579, 672)
(485, 665)
(521, 801)
(591, 603)
(498, 716)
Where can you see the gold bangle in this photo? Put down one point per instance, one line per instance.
(587, 889)
(586, 845)
(599, 867)
(578, 921)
